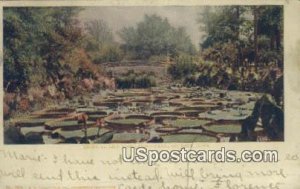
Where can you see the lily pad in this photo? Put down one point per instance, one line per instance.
(128, 121)
(30, 122)
(51, 114)
(104, 138)
(37, 129)
(190, 112)
(48, 140)
(167, 129)
(201, 107)
(95, 117)
(186, 122)
(224, 128)
(127, 137)
(67, 125)
(188, 138)
(91, 132)
(229, 115)
(91, 111)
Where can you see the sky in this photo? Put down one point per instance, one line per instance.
(119, 17)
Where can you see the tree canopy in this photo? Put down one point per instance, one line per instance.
(254, 31)
(155, 36)
(35, 42)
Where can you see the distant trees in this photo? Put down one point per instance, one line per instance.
(220, 24)
(100, 43)
(99, 33)
(155, 36)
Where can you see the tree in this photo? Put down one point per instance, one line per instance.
(37, 39)
(99, 34)
(184, 66)
(155, 36)
(221, 24)
(130, 37)
(270, 23)
(222, 27)
(249, 28)
(100, 44)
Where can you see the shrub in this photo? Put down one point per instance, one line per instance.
(145, 81)
(184, 66)
(190, 80)
(134, 80)
(109, 53)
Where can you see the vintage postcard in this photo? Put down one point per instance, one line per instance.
(150, 94)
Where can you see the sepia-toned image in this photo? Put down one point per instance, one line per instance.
(143, 74)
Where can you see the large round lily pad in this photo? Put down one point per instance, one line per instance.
(127, 137)
(105, 104)
(129, 121)
(188, 138)
(156, 114)
(31, 121)
(167, 129)
(104, 138)
(160, 116)
(226, 115)
(224, 128)
(190, 113)
(138, 116)
(60, 109)
(80, 133)
(184, 123)
(67, 124)
(36, 129)
(95, 117)
(50, 114)
(91, 111)
(201, 107)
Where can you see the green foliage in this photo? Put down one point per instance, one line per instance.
(108, 53)
(271, 23)
(99, 34)
(155, 36)
(184, 66)
(36, 39)
(221, 52)
(238, 33)
(100, 43)
(220, 24)
(134, 80)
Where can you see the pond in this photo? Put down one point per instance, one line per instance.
(172, 114)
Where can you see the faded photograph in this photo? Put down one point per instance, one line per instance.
(148, 74)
